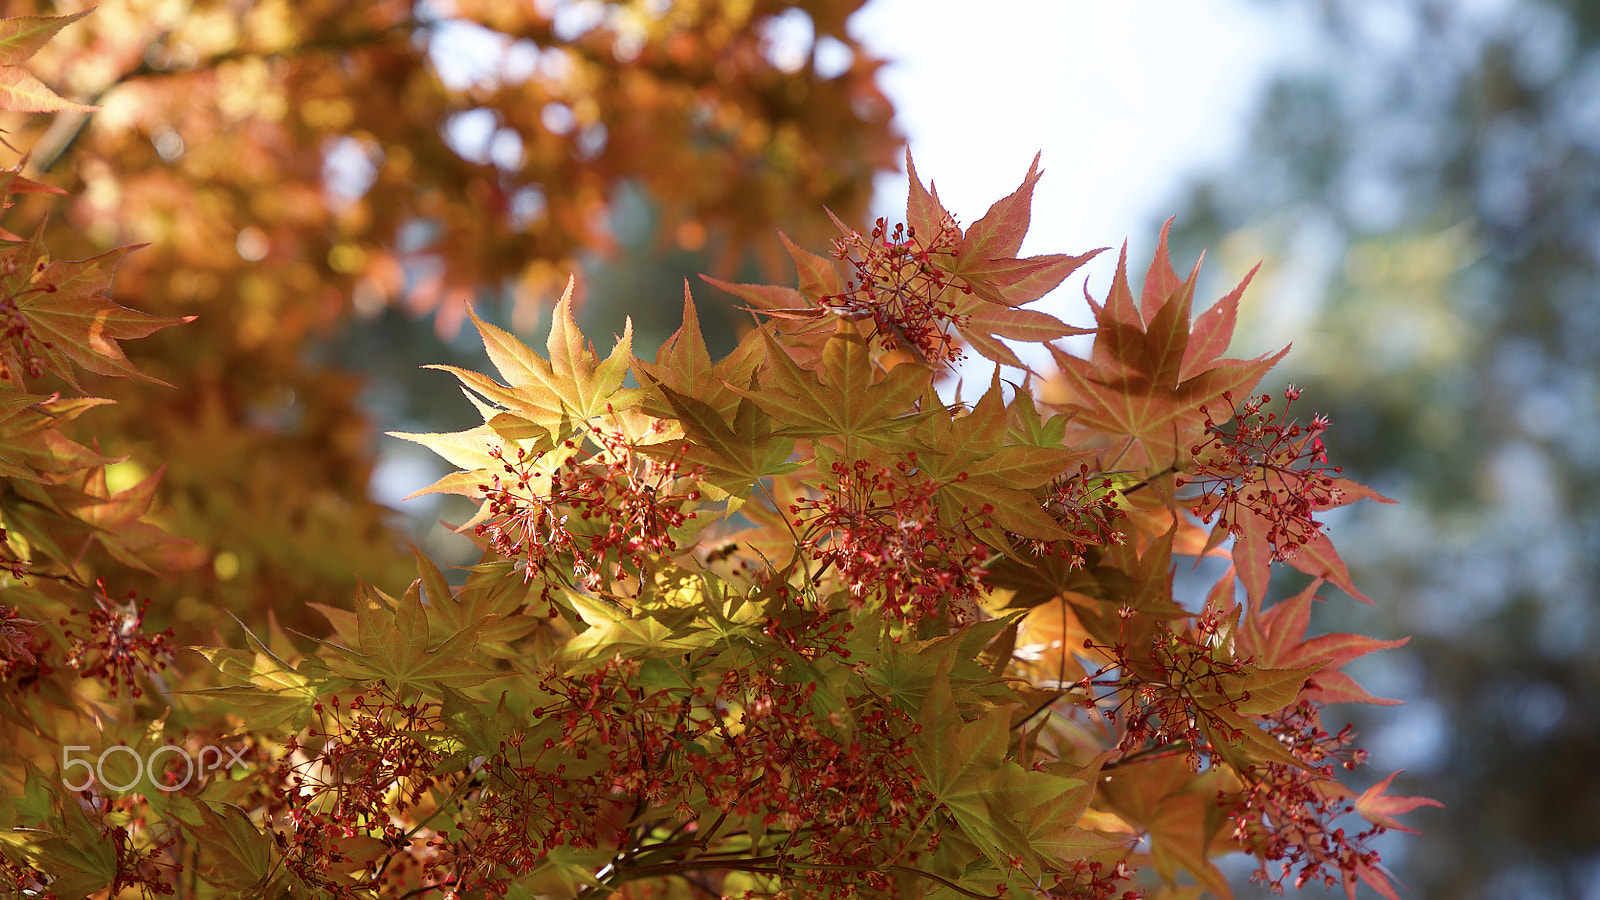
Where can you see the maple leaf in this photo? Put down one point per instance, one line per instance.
(728, 439)
(1379, 808)
(1276, 639)
(121, 525)
(924, 212)
(64, 306)
(1212, 330)
(906, 670)
(393, 644)
(991, 798)
(986, 323)
(473, 452)
(848, 402)
(275, 691)
(20, 91)
(12, 182)
(242, 859)
(1253, 553)
(32, 446)
(22, 36)
(818, 275)
(731, 456)
(799, 308)
(986, 258)
(557, 393)
(974, 471)
(1123, 577)
(684, 365)
(614, 631)
(63, 841)
(1136, 384)
(995, 279)
(1165, 799)
(492, 605)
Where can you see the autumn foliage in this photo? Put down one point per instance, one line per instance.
(814, 618)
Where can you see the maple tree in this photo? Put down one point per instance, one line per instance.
(802, 619)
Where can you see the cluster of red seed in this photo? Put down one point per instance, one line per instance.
(24, 346)
(627, 766)
(1165, 692)
(359, 771)
(1284, 814)
(1087, 509)
(16, 640)
(116, 648)
(145, 868)
(879, 528)
(901, 286)
(606, 505)
(1091, 880)
(10, 563)
(22, 880)
(1266, 466)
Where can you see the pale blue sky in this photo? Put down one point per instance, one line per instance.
(1127, 101)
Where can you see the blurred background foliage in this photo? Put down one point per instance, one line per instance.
(1425, 189)
(325, 184)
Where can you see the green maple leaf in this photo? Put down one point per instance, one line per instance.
(613, 630)
(1002, 808)
(906, 671)
(573, 869)
(1024, 425)
(964, 456)
(493, 606)
(239, 856)
(732, 455)
(258, 680)
(727, 437)
(845, 400)
(684, 365)
(961, 764)
(1259, 690)
(64, 842)
(393, 644)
